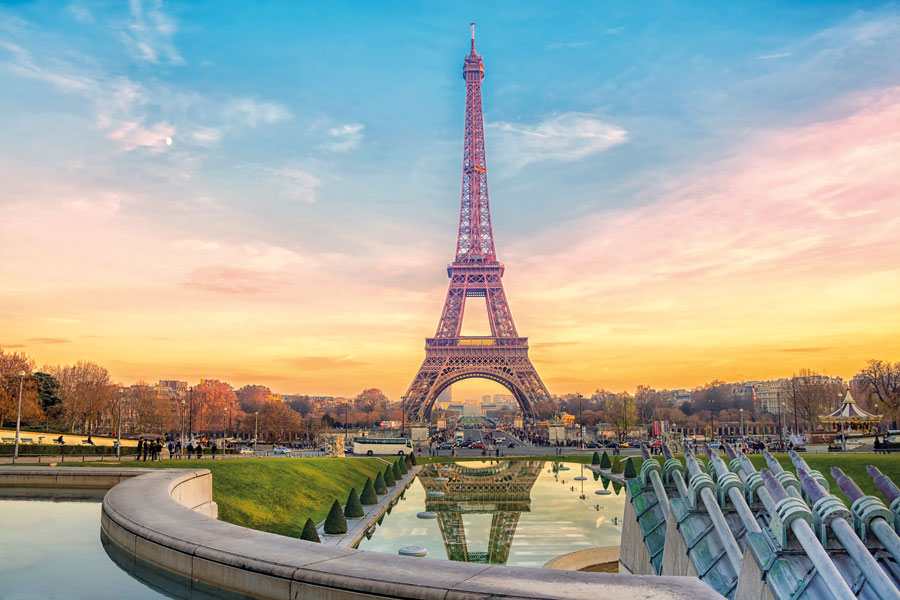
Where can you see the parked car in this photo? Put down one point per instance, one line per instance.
(592, 445)
(612, 445)
(477, 446)
(715, 445)
(511, 445)
(245, 450)
(445, 446)
(281, 451)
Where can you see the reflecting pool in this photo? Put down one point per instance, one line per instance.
(511, 512)
(52, 550)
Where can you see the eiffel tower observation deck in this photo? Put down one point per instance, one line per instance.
(475, 273)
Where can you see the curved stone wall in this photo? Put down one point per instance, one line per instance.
(163, 519)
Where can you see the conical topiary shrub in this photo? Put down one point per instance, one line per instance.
(403, 468)
(596, 476)
(407, 461)
(595, 459)
(617, 465)
(309, 532)
(368, 496)
(380, 486)
(630, 471)
(354, 508)
(398, 474)
(605, 463)
(389, 479)
(335, 523)
(605, 483)
(412, 459)
(381, 519)
(616, 488)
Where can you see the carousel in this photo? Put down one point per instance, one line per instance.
(850, 417)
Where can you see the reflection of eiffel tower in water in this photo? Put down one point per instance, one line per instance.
(502, 490)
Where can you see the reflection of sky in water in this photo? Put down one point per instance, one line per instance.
(52, 550)
(559, 521)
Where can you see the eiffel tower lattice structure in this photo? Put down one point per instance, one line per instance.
(474, 273)
(502, 490)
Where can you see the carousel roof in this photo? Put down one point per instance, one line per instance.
(848, 412)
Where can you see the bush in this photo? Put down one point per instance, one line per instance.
(630, 472)
(617, 466)
(380, 485)
(402, 466)
(412, 459)
(368, 496)
(335, 523)
(605, 463)
(595, 459)
(395, 469)
(407, 460)
(389, 479)
(65, 450)
(309, 532)
(354, 508)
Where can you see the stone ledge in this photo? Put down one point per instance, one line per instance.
(142, 518)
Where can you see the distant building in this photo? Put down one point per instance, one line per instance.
(170, 387)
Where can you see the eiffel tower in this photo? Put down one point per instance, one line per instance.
(502, 490)
(474, 273)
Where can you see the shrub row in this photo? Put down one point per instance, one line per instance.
(67, 449)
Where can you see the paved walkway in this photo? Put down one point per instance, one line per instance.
(356, 528)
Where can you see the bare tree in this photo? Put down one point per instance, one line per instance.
(811, 395)
(86, 391)
(882, 380)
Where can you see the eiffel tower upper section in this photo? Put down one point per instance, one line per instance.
(475, 244)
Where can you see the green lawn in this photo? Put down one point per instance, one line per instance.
(279, 494)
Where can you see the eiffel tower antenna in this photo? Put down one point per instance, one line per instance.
(475, 273)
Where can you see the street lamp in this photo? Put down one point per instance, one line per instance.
(191, 414)
(743, 434)
(224, 430)
(181, 441)
(119, 426)
(782, 421)
(255, 431)
(19, 415)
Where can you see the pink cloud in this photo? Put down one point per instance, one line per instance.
(131, 134)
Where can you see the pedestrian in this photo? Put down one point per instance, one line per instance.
(190, 450)
(140, 448)
(146, 450)
(214, 448)
(199, 451)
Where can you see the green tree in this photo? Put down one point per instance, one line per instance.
(398, 474)
(368, 496)
(617, 466)
(354, 508)
(309, 532)
(630, 472)
(335, 523)
(595, 459)
(401, 464)
(605, 463)
(380, 486)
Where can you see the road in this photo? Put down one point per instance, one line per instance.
(519, 448)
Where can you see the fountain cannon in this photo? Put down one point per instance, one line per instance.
(871, 515)
(889, 490)
(702, 489)
(734, 462)
(833, 518)
(790, 513)
(787, 479)
(672, 466)
(799, 463)
(651, 474)
(729, 486)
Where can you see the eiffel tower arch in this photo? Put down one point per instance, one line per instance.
(475, 273)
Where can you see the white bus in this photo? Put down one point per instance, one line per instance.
(370, 446)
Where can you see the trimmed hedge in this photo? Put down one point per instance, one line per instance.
(65, 450)
(605, 463)
(389, 479)
(309, 532)
(595, 459)
(630, 472)
(335, 523)
(380, 485)
(402, 465)
(412, 459)
(354, 508)
(407, 460)
(395, 469)
(617, 466)
(368, 496)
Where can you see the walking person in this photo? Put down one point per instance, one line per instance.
(199, 451)
(190, 450)
(146, 450)
(214, 448)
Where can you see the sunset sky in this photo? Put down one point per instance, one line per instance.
(269, 192)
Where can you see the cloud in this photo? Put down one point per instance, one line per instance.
(150, 34)
(771, 56)
(130, 135)
(346, 137)
(231, 280)
(42, 340)
(81, 13)
(319, 363)
(559, 45)
(563, 138)
(252, 112)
